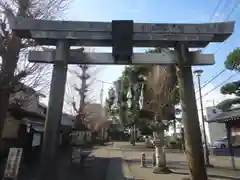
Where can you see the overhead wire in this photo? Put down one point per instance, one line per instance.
(236, 4)
(215, 10)
(219, 85)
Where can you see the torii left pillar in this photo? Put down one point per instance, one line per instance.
(54, 112)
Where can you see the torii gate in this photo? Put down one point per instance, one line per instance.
(122, 36)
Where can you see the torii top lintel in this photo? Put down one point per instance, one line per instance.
(47, 32)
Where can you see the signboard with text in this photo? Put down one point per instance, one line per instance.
(13, 163)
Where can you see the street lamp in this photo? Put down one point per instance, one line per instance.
(198, 74)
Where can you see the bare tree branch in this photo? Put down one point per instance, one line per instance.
(14, 66)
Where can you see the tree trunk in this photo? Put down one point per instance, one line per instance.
(132, 138)
(161, 166)
(134, 135)
(174, 127)
(9, 64)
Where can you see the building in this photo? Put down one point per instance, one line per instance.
(214, 131)
(23, 111)
(230, 120)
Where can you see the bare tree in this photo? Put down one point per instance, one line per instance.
(79, 97)
(14, 68)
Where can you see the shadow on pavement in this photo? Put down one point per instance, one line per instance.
(115, 170)
(184, 164)
(212, 176)
(179, 165)
(95, 169)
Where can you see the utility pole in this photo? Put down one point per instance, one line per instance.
(101, 101)
(101, 93)
(198, 74)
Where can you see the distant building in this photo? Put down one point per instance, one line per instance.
(24, 110)
(214, 131)
(221, 118)
(95, 117)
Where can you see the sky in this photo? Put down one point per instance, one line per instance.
(162, 11)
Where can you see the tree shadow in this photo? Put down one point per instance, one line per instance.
(179, 165)
(115, 170)
(211, 176)
(94, 168)
(184, 164)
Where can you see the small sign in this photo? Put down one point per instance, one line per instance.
(13, 163)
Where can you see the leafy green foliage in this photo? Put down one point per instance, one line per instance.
(233, 60)
(136, 75)
(133, 74)
(231, 88)
(232, 63)
(227, 104)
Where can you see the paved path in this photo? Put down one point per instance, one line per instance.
(176, 162)
(113, 163)
(95, 169)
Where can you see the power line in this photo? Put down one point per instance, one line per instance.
(219, 85)
(227, 3)
(227, 17)
(237, 3)
(222, 71)
(233, 9)
(209, 81)
(215, 10)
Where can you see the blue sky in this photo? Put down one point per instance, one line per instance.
(161, 11)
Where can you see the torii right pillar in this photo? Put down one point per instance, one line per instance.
(192, 133)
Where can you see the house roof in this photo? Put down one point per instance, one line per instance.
(231, 115)
(22, 113)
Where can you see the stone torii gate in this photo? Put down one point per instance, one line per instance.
(122, 36)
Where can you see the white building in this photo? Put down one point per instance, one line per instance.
(214, 131)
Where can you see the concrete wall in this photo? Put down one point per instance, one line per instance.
(214, 131)
(67, 120)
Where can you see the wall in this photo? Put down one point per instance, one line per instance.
(214, 131)
(67, 120)
(11, 128)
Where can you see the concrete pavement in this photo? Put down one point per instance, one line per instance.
(113, 163)
(176, 162)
